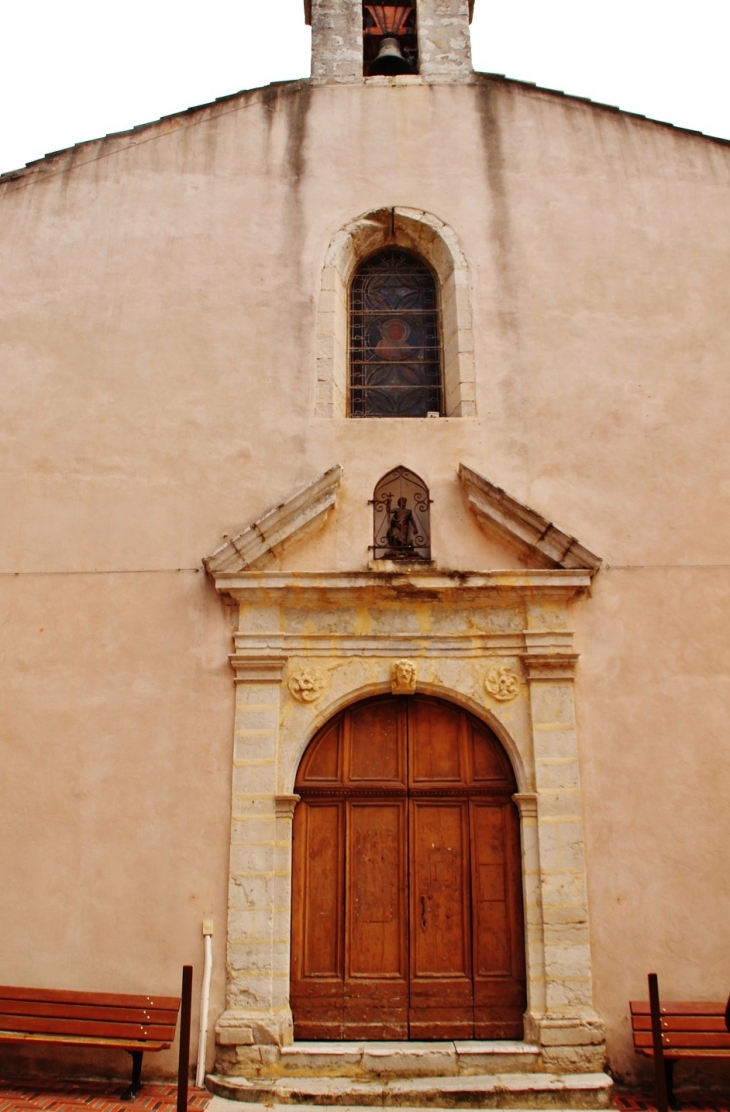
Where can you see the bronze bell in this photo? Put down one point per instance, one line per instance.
(390, 60)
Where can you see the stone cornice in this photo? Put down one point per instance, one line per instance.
(273, 587)
(523, 528)
(292, 520)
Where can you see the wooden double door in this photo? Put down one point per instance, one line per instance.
(407, 897)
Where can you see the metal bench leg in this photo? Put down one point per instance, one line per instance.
(134, 1088)
(669, 1064)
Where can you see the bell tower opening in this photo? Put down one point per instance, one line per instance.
(354, 40)
(390, 39)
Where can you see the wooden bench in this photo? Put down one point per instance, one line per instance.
(674, 1030)
(35, 1017)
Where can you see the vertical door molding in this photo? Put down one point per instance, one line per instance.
(568, 1030)
(532, 895)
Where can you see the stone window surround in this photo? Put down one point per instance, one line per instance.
(427, 236)
(275, 647)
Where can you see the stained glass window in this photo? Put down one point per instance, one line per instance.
(395, 338)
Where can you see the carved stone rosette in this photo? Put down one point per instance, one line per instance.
(307, 684)
(502, 683)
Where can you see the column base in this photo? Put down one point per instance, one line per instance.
(248, 1044)
(568, 1044)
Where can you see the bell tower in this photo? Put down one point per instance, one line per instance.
(355, 41)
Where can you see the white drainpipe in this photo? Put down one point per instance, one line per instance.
(205, 1001)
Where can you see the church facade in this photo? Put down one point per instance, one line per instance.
(365, 559)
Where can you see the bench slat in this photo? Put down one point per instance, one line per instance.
(101, 999)
(678, 1007)
(685, 1039)
(681, 1023)
(678, 1052)
(87, 1011)
(78, 1040)
(50, 1025)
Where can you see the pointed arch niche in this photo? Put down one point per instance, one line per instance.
(428, 237)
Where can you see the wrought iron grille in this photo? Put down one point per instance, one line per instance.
(395, 338)
(401, 517)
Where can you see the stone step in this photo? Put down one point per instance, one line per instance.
(494, 1090)
(376, 1060)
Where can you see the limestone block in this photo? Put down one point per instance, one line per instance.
(552, 702)
(245, 804)
(249, 892)
(574, 1059)
(246, 858)
(556, 772)
(338, 1059)
(259, 830)
(256, 717)
(257, 956)
(259, 778)
(246, 925)
(560, 803)
(243, 994)
(234, 1036)
(410, 1059)
(563, 889)
(554, 740)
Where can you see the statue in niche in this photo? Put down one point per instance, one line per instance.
(401, 528)
(401, 525)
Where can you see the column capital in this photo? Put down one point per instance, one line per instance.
(285, 805)
(250, 669)
(527, 804)
(550, 667)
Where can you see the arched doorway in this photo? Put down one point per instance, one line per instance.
(407, 916)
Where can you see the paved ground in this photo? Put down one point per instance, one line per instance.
(98, 1096)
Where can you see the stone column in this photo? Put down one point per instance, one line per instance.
(444, 40)
(532, 895)
(337, 48)
(569, 1031)
(255, 1023)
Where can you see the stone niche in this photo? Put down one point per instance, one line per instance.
(497, 644)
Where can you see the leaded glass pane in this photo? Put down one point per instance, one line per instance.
(395, 338)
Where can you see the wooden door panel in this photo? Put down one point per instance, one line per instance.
(499, 956)
(376, 978)
(436, 749)
(439, 889)
(376, 912)
(375, 734)
(322, 762)
(441, 996)
(317, 986)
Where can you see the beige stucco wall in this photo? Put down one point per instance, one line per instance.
(158, 305)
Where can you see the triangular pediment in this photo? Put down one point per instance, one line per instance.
(291, 521)
(501, 515)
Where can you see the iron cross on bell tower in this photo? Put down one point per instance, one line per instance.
(355, 41)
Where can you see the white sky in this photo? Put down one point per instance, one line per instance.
(77, 69)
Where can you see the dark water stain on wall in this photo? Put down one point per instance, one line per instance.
(509, 377)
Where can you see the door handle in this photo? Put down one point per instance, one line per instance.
(424, 913)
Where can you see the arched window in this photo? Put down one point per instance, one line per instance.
(401, 517)
(395, 338)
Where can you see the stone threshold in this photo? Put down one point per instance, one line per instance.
(495, 1090)
(409, 1059)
